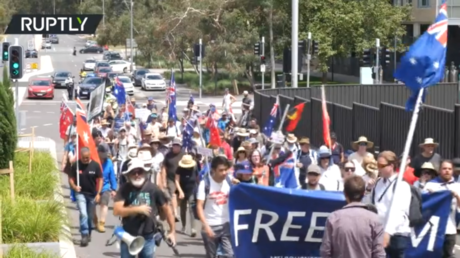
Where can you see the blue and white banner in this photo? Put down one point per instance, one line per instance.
(276, 222)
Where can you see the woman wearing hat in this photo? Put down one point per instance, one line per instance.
(241, 136)
(241, 155)
(330, 172)
(157, 158)
(260, 170)
(428, 154)
(244, 173)
(360, 147)
(186, 175)
(425, 174)
(370, 169)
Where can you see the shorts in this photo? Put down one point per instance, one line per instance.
(171, 185)
(105, 198)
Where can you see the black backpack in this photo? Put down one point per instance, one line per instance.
(415, 215)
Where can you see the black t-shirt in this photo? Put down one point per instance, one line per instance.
(149, 194)
(171, 162)
(187, 179)
(89, 173)
(417, 162)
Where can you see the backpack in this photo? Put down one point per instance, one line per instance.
(207, 189)
(415, 209)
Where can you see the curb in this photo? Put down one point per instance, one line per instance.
(66, 246)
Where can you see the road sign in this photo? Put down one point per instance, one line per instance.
(34, 66)
(262, 68)
(128, 43)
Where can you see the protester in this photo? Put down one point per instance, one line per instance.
(212, 208)
(330, 172)
(370, 169)
(408, 176)
(109, 187)
(173, 129)
(241, 136)
(132, 153)
(348, 170)
(260, 170)
(428, 154)
(185, 179)
(243, 172)
(361, 146)
(87, 192)
(456, 162)
(396, 237)
(305, 157)
(291, 144)
(313, 178)
(139, 202)
(337, 150)
(104, 129)
(168, 172)
(71, 129)
(240, 155)
(425, 174)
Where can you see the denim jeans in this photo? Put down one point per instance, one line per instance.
(397, 247)
(86, 205)
(221, 244)
(147, 252)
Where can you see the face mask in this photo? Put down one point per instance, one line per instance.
(139, 182)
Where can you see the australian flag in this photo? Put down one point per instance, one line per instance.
(119, 92)
(268, 128)
(187, 142)
(287, 177)
(172, 99)
(423, 65)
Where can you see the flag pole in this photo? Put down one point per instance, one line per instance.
(77, 159)
(402, 168)
(279, 129)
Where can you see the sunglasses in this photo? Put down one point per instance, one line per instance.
(137, 172)
(349, 169)
(362, 144)
(382, 165)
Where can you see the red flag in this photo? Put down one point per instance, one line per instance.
(85, 138)
(65, 120)
(214, 136)
(294, 117)
(326, 120)
(130, 107)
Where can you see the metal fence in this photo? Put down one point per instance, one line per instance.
(381, 122)
(444, 95)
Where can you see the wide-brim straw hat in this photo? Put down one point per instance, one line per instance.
(362, 139)
(242, 132)
(370, 165)
(291, 138)
(429, 141)
(187, 161)
(145, 146)
(240, 149)
(425, 166)
(104, 122)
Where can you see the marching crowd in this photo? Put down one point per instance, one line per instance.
(167, 170)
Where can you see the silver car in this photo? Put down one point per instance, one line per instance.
(89, 65)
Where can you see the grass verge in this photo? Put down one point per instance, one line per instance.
(21, 251)
(35, 216)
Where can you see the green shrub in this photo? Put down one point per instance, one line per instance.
(29, 221)
(8, 132)
(22, 251)
(40, 184)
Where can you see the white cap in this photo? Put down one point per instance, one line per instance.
(245, 92)
(134, 164)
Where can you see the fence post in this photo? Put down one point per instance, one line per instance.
(9, 171)
(1, 231)
(31, 149)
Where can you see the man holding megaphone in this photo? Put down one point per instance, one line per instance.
(139, 202)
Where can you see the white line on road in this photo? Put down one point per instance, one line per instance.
(37, 111)
(47, 124)
(50, 112)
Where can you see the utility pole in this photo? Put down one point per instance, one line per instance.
(132, 35)
(103, 13)
(394, 54)
(262, 59)
(308, 58)
(54, 7)
(295, 43)
(377, 61)
(200, 43)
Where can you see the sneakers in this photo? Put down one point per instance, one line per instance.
(193, 234)
(84, 240)
(101, 226)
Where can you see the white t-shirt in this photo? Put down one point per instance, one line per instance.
(216, 206)
(104, 131)
(359, 158)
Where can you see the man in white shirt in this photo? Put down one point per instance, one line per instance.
(212, 208)
(105, 129)
(446, 182)
(397, 232)
(361, 146)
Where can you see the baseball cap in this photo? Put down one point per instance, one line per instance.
(243, 168)
(150, 98)
(102, 151)
(314, 169)
(134, 164)
(177, 141)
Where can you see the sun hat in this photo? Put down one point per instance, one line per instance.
(370, 165)
(104, 122)
(429, 141)
(304, 140)
(132, 151)
(242, 132)
(314, 169)
(177, 141)
(425, 166)
(187, 161)
(291, 138)
(135, 164)
(253, 141)
(154, 140)
(362, 139)
(324, 152)
(243, 168)
(145, 146)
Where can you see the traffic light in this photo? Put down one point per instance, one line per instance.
(194, 60)
(367, 57)
(303, 47)
(15, 62)
(315, 46)
(6, 53)
(196, 50)
(385, 56)
(257, 51)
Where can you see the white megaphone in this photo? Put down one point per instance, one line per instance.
(135, 244)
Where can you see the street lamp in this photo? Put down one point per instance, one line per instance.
(132, 36)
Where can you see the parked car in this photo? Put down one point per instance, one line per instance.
(89, 64)
(153, 81)
(61, 78)
(120, 66)
(54, 39)
(103, 71)
(137, 76)
(127, 84)
(91, 49)
(46, 44)
(41, 87)
(110, 55)
(90, 43)
(88, 85)
(31, 53)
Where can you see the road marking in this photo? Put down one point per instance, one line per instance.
(50, 112)
(457, 247)
(23, 129)
(47, 124)
(37, 111)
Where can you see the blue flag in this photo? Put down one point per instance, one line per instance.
(172, 99)
(268, 128)
(277, 222)
(423, 65)
(287, 177)
(119, 92)
(187, 142)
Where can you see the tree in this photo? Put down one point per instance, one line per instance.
(8, 132)
(7, 86)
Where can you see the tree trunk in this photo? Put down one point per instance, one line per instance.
(272, 48)
(181, 66)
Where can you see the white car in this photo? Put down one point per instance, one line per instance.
(90, 43)
(119, 66)
(127, 84)
(153, 81)
(48, 44)
(89, 65)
